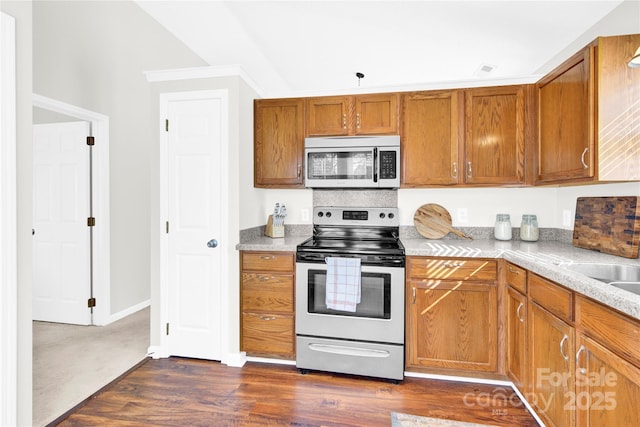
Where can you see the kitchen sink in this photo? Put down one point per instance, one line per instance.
(622, 276)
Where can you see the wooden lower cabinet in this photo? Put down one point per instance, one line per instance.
(552, 367)
(451, 314)
(267, 304)
(516, 331)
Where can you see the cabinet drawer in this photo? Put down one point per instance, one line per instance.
(267, 292)
(517, 277)
(268, 261)
(616, 331)
(451, 268)
(268, 334)
(552, 297)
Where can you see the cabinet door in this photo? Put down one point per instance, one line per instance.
(278, 143)
(566, 122)
(495, 135)
(452, 325)
(608, 387)
(552, 376)
(429, 139)
(328, 115)
(376, 114)
(517, 337)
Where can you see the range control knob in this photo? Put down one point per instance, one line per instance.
(328, 214)
(382, 215)
(391, 215)
(320, 214)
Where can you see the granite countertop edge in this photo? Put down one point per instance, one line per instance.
(545, 258)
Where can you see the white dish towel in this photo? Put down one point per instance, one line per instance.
(343, 283)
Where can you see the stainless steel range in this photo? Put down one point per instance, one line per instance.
(350, 293)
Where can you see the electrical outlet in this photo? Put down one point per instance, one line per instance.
(566, 218)
(463, 216)
(304, 213)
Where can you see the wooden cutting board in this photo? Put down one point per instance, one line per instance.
(608, 224)
(434, 222)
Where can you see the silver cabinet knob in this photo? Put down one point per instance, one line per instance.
(212, 243)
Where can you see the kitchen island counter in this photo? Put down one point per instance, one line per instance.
(545, 258)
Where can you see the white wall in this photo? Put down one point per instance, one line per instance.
(92, 55)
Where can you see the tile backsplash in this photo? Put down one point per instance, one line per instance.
(356, 198)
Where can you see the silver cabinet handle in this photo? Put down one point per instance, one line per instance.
(469, 170)
(584, 164)
(520, 318)
(344, 121)
(455, 169)
(564, 355)
(358, 120)
(267, 318)
(452, 264)
(582, 349)
(212, 243)
(414, 296)
(514, 271)
(265, 278)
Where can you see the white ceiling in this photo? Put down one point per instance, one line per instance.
(298, 48)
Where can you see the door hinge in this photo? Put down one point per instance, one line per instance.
(166, 125)
(91, 302)
(167, 227)
(91, 222)
(167, 328)
(91, 140)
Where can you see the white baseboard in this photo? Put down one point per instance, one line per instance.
(124, 313)
(236, 360)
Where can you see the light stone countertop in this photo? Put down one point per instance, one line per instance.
(545, 258)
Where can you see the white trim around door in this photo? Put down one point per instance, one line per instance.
(100, 189)
(8, 224)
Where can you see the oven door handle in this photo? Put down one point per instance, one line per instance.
(349, 351)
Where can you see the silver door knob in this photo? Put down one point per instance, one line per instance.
(212, 243)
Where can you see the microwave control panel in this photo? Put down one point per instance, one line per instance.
(387, 164)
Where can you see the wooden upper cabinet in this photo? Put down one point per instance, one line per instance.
(565, 147)
(586, 108)
(278, 142)
(429, 138)
(494, 124)
(375, 114)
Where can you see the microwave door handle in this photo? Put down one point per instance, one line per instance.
(375, 164)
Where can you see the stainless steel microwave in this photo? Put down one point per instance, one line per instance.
(352, 162)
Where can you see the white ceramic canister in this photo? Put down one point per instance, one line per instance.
(529, 228)
(503, 227)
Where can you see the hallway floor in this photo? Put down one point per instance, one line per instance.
(71, 362)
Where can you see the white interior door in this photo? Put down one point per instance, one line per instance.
(194, 219)
(61, 240)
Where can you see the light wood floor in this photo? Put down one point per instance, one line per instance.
(177, 391)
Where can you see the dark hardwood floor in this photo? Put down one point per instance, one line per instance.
(177, 391)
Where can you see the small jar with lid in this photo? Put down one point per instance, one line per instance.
(529, 228)
(503, 227)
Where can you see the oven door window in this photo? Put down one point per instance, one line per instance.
(375, 299)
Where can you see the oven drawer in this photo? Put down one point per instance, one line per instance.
(268, 261)
(267, 292)
(451, 268)
(268, 334)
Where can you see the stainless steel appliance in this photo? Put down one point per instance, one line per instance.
(352, 162)
(370, 339)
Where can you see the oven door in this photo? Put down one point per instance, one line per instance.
(379, 317)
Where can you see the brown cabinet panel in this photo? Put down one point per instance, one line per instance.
(452, 325)
(552, 374)
(608, 387)
(268, 261)
(565, 121)
(452, 268)
(278, 143)
(517, 277)
(551, 296)
(517, 338)
(375, 114)
(267, 292)
(429, 138)
(267, 304)
(495, 135)
(268, 334)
